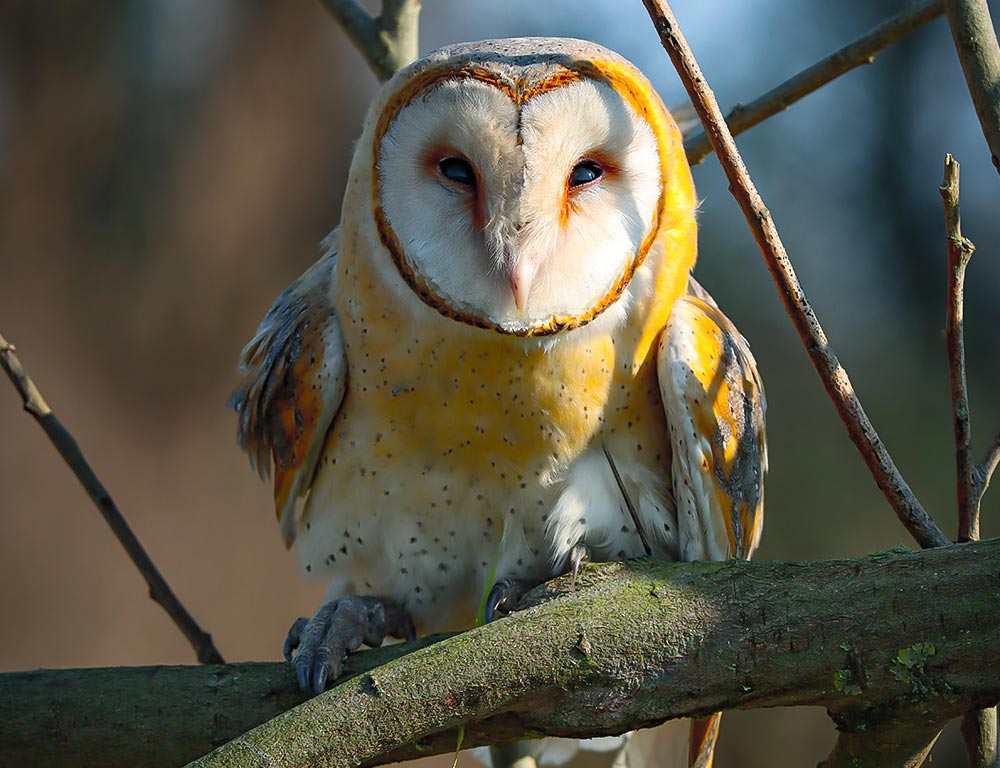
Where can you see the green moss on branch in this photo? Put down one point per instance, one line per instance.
(636, 643)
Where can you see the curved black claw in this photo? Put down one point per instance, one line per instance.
(577, 556)
(317, 646)
(505, 596)
(292, 640)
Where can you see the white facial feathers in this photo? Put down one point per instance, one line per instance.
(531, 239)
(584, 238)
(439, 228)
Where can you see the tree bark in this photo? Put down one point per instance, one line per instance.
(976, 44)
(888, 638)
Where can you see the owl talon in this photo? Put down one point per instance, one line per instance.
(505, 596)
(577, 556)
(321, 670)
(302, 675)
(317, 646)
(292, 640)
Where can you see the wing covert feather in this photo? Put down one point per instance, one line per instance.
(293, 379)
(714, 402)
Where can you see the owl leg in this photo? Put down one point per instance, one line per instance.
(514, 755)
(505, 596)
(507, 593)
(317, 646)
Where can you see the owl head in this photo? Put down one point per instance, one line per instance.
(525, 186)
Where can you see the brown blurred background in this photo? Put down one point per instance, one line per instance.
(168, 166)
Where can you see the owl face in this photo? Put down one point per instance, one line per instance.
(518, 185)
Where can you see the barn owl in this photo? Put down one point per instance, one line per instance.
(500, 365)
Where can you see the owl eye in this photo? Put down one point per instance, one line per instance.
(458, 170)
(585, 172)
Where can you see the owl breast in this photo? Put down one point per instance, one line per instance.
(461, 455)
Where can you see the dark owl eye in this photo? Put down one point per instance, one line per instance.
(458, 170)
(585, 172)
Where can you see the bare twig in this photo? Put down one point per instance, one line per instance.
(979, 727)
(861, 51)
(388, 42)
(834, 377)
(67, 446)
(983, 471)
(974, 479)
(976, 43)
(960, 250)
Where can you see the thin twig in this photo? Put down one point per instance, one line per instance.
(960, 250)
(388, 42)
(983, 471)
(861, 51)
(979, 727)
(976, 43)
(974, 479)
(67, 446)
(834, 377)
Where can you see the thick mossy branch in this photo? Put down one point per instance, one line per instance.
(148, 716)
(874, 640)
(878, 639)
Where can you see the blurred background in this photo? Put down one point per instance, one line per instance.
(168, 166)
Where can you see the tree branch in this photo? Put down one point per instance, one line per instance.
(983, 471)
(68, 448)
(979, 732)
(873, 639)
(861, 51)
(148, 717)
(388, 42)
(976, 43)
(902, 744)
(834, 377)
(960, 250)
(979, 728)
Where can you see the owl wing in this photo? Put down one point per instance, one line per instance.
(714, 404)
(293, 378)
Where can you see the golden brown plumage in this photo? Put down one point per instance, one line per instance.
(505, 312)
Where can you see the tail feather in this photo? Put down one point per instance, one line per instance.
(702, 745)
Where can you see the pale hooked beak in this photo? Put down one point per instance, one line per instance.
(521, 276)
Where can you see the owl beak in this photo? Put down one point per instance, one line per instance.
(521, 276)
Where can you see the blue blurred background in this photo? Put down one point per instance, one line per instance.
(168, 166)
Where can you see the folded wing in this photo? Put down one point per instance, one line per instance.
(293, 379)
(714, 403)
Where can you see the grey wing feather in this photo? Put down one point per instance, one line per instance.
(293, 380)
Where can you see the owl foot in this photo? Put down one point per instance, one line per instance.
(317, 646)
(505, 596)
(577, 556)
